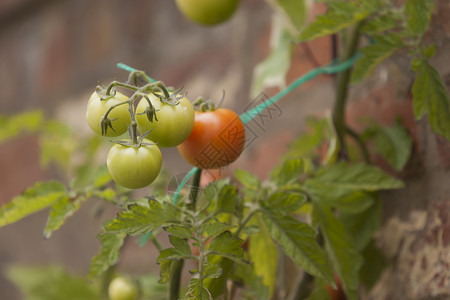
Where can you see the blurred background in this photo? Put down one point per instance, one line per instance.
(54, 52)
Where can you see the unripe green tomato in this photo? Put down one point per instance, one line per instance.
(97, 108)
(174, 124)
(122, 289)
(134, 167)
(208, 12)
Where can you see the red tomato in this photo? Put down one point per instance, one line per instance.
(218, 138)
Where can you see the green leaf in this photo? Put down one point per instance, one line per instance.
(11, 126)
(298, 241)
(320, 292)
(363, 225)
(52, 283)
(288, 172)
(354, 177)
(180, 231)
(165, 270)
(196, 291)
(430, 95)
(306, 144)
(60, 211)
(381, 23)
(272, 71)
(227, 246)
(286, 201)
(340, 15)
(211, 270)
(374, 264)
(34, 199)
(140, 220)
(57, 144)
(91, 175)
(214, 227)
(418, 14)
(340, 247)
(295, 10)
(383, 47)
(218, 286)
(264, 256)
(180, 250)
(227, 199)
(352, 203)
(247, 179)
(394, 144)
(109, 253)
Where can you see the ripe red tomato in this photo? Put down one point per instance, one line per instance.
(218, 138)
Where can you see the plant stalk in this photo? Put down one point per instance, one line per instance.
(175, 279)
(342, 91)
(177, 265)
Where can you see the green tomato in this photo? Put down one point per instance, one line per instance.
(174, 123)
(97, 108)
(122, 289)
(208, 12)
(134, 167)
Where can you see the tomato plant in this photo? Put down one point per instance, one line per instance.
(171, 124)
(134, 167)
(218, 139)
(121, 288)
(208, 12)
(317, 211)
(118, 119)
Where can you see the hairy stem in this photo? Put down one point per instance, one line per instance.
(342, 90)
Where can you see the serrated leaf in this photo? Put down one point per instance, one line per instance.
(264, 256)
(180, 250)
(418, 15)
(247, 179)
(218, 286)
(227, 199)
(272, 71)
(165, 270)
(383, 47)
(374, 264)
(211, 270)
(295, 10)
(107, 195)
(60, 211)
(108, 255)
(140, 220)
(430, 95)
(354, 177)
(341, 250)
(227, 246)
(35, 198)
(394, 144)
(214, 227)
(286, 201)
(298, 241)
(352, 203)
(289, 171)
(196, 291)
(363, 225)
(340, 15)
(52, 283)
(381, 23)
(180, 231)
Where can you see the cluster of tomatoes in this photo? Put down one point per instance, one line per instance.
(208, 139)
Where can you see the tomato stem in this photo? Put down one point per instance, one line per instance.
(342, 90)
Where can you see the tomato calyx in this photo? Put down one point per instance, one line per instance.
(136, 144)
(106, 123)
(204, 105)
(173, 98)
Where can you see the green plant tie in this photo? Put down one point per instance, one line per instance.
(246, 117)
